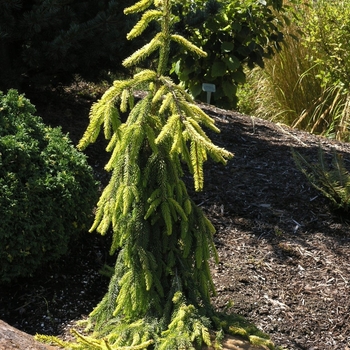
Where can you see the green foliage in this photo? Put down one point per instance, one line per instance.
(301, 86)
(236, 325)
(234, 34)
(45, 41)
(333, 181)
(47, 190)
(247, 94)
(287, 82)
(164, 240)
(328, 35)
(159, 294)
(187, 329)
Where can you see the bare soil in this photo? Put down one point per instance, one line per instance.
(284, 254)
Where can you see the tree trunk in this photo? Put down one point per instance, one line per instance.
(14, 339)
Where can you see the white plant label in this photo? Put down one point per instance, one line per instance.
(209, 88)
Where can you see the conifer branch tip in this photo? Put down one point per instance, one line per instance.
(142, 24)
(138, 7)
(188, 45)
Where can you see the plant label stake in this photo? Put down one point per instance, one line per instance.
(209, 88)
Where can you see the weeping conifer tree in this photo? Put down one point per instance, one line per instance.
(159, 295)
(162, 280)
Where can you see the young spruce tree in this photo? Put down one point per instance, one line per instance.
(159, 294)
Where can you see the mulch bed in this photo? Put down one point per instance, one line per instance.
(284, 255)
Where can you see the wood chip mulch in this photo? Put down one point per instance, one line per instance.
(284, 255)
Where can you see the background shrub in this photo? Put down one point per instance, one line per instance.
(306, 85)
(50, 41)
(47, 190)
(327, 33)
(235, 35)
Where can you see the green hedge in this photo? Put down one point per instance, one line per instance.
(47, 190)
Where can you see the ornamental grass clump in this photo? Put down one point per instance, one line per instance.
(159, 294)
(47, 190)
(307, 84)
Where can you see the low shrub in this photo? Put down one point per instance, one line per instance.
(332, 180)
(47, 190)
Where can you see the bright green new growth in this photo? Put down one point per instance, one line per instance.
(162, 283)
(159, 294)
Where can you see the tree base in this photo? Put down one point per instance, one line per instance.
(237, 343)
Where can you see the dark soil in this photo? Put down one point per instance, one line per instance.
(284, 255)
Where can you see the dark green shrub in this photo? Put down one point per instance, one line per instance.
(235, 35)
(47, 190)
(50, 41)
